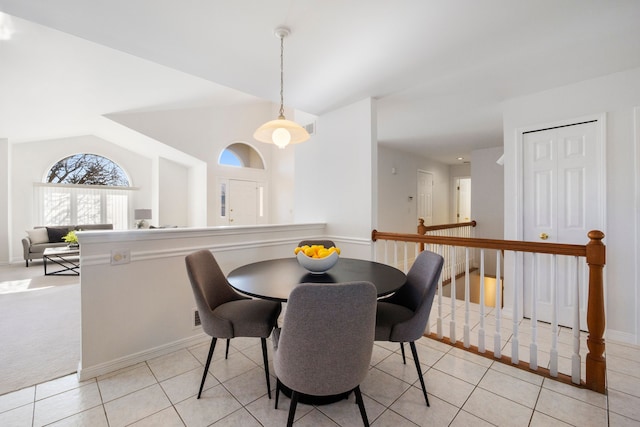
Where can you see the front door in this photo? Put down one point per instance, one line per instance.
(562, 203)
(243, 202)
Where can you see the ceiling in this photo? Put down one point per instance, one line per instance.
(439, 69)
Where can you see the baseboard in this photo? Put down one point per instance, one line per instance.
(130, 360)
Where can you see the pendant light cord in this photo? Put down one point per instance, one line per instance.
(281, 77)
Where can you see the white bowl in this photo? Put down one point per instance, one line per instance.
(317, 265)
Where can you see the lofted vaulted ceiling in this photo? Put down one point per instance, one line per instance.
(440, 69)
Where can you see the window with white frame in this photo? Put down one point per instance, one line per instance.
(84, 189)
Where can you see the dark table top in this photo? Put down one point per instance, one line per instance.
(275, 279)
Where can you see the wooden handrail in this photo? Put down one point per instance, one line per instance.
(595, 254)
(422, 229)
(507, 245)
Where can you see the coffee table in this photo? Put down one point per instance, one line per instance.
(65, 257)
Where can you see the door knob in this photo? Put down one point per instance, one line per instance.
(544, 236)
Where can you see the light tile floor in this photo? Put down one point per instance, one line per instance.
(464, 389)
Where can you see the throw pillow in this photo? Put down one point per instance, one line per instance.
(38, 235)
(57, 233)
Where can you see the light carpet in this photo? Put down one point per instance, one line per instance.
(39, 327)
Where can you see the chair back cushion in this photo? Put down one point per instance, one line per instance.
(417, 295)
(210, 290)
(325, 344)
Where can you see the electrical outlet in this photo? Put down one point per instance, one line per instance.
(120, 256)
(196, 319)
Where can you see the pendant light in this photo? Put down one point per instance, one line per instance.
(281, 131)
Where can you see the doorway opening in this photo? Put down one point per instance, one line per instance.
(462, 198)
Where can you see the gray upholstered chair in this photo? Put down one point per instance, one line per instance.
(226, 314)
(403, 316)
(326, 243)
(325, 344)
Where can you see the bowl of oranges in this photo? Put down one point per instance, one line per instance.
(316, 258)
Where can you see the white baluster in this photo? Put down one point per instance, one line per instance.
(386, 251)
(395, 253)
(497, 351)
(406, 257)
(481, 345)
(515, 339)
(575, 358)
(553, 354)
(452, 321)
(439, 325)
(467, 307)
(533, 348)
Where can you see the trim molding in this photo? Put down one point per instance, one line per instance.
(132, 359)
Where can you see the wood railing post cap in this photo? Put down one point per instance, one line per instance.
(595, 235)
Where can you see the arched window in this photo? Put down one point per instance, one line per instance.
(87, 169)
(84, 189)
(241, 155)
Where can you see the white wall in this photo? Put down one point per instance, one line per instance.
(616, 95)
(142, 309)
(5, 221)
(36, 158)
(205, 132)
(398, 214)
(487, 199)
(334, 173)
(173, 197)
(281, 186)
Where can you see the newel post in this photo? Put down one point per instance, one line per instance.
(422, 229)
(596, 363)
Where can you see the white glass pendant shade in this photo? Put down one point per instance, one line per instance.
(281, 132)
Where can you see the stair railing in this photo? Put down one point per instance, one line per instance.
(593, 254)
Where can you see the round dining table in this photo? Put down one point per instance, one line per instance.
(274, 279)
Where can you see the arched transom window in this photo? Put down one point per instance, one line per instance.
(241, 155)
(87, 169)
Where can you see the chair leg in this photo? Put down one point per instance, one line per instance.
(206, 366)
(360, 402)
(266, 364)
(292, 408)
(404, 359)
(277, 392)
(415, 359)
(226, 353)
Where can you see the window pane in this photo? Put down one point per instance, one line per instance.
(117, 209)
(57, 208)
(87, 169)
(223, 199)
(230, 159)
(88, 209)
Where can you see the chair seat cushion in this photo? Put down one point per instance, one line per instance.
(387, 316)
(249, 317)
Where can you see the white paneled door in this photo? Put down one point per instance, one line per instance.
(243, 202)
(562, 200)
(425, 197)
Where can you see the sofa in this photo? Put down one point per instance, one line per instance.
(43, 237)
